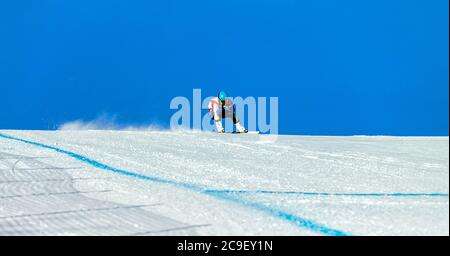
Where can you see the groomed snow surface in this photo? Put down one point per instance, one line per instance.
(192, 183)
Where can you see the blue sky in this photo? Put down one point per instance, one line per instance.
(373, 67)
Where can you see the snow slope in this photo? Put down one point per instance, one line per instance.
(192, 183)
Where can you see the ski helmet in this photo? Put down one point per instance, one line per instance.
(222, 95)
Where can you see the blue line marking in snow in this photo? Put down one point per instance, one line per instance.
(329, 194)
(294, 219)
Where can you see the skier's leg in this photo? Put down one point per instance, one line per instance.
(235, 119)
(219, 127)
(218, 122)
(239, 127)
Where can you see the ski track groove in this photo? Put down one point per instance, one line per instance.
(37, 205)
(293, 219)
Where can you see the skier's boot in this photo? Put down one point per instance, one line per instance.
(240, 128)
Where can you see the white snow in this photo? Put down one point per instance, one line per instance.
(356, 185)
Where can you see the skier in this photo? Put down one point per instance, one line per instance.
(222, 107)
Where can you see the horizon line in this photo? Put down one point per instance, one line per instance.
(200, 131)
